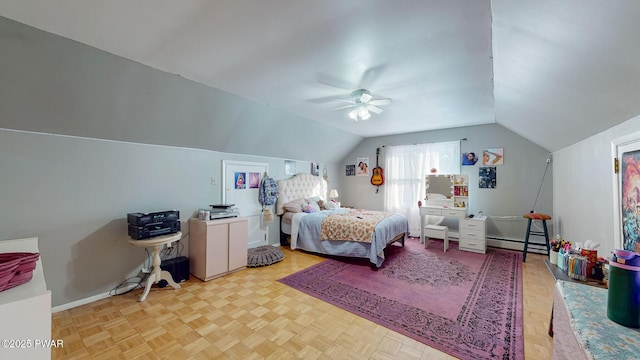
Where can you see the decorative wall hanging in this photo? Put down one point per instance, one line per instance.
(630, 196)
(492, 157)
(487, 177)
(240, 180)
(289, 167)
(351, 170)
(362, 167)
(315, 169)
(469, 159)
(254, 180)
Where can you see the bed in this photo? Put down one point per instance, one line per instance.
(369, 232)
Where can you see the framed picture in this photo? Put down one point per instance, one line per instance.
(492, 157)
(315, 169)
(362, 167)
(351, 170)
(487, 178)
(240, 179)
(289, 167)
(254, 180)
(469, 159)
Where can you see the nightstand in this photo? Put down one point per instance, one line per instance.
(473, 234)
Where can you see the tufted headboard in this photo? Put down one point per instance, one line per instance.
(300, 186)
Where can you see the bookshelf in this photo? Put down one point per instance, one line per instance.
(460, 190)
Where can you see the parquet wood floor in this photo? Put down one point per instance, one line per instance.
(249, 315)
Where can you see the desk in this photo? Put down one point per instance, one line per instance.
(459, 213)
(583, 330)
(157, 274)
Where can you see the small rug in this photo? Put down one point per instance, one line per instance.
(465, 304)
(264, 255)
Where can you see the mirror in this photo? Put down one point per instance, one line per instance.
(439, 184)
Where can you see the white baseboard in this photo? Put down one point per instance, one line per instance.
(515, 244)
(80, 302)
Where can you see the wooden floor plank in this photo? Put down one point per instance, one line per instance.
(249, 315)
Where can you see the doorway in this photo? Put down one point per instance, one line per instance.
(240, 186)
(627, 192)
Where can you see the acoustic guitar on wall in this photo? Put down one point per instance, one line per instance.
(377, 178)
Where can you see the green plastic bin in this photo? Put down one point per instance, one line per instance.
(623, 300)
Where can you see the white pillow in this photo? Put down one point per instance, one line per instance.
(330, 205)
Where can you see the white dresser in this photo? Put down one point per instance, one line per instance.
(25, 311)
(473, 234)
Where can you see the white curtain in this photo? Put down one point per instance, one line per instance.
(406, 167)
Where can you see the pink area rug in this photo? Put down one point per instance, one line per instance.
(465, 304)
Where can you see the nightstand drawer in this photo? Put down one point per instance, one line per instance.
(472, 244)
(472, 234)
(472, 225)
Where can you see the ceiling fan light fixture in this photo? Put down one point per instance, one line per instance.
(363, 105)
(354, 114)
(364, 113)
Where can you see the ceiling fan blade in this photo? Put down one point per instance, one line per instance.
(380, 102)
(371, 75)
(326, 99)
(347, 100)
(374, 109)
(365, 97)
(344, 107)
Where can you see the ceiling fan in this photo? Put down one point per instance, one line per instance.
(363, 104)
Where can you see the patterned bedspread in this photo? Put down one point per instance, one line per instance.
(306, 230)
(354, 225)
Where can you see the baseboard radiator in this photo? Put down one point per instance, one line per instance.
(509, 244)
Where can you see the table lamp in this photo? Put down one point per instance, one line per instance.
(333, 194)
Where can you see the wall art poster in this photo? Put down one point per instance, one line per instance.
(240, 180)
(315, 169)
(492, 157)
(351, 170)
(254, 180)
(469, 159)
(487, 177)
(630, 199)
(362, 169)
(289, 167)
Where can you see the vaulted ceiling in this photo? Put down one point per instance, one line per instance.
(555, 72)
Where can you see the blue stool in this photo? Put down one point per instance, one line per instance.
(531, 217)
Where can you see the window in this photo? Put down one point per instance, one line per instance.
(406, 167)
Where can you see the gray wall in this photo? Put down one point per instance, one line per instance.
(518, 179)
(63, 87)
(74, 193)
(585, 203)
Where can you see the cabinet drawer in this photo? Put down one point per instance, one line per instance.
(431, 211)
(472, 244)
(460, 213)
(473, 225)
(472, 234)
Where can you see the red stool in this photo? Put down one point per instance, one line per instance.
(531, 217)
